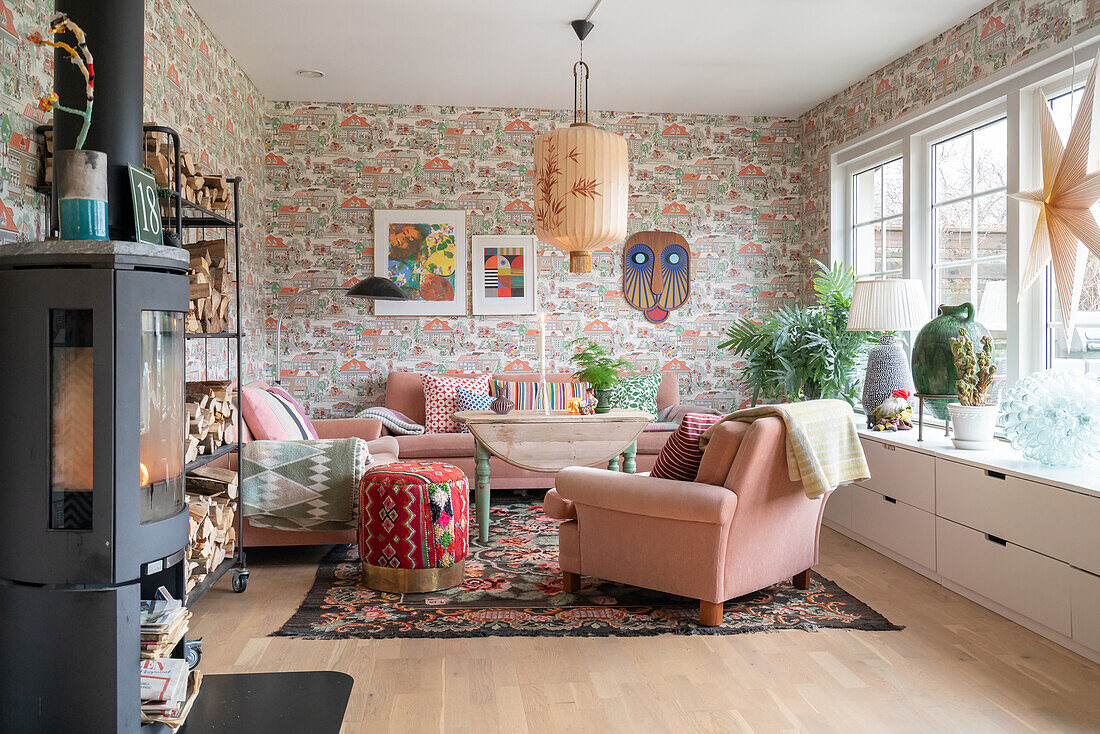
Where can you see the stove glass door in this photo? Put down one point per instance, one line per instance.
(163, 422)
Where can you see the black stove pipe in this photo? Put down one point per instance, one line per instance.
(116, 39)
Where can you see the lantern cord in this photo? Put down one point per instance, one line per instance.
(580, 81)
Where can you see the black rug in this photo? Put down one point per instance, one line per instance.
(513, 588)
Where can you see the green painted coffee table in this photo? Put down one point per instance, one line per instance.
(532, 440)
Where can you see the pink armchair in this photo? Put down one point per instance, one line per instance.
(742, 525)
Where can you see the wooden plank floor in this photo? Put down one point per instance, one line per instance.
(955, 668)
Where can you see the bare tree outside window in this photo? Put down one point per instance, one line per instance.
(969, 227)
(877, 216)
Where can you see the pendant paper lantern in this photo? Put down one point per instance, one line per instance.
(581, 183)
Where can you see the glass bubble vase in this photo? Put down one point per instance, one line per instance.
(1053, 417)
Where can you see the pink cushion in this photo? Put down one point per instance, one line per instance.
(275, 416)
(680, 457)
(286, 397)
(441, 402)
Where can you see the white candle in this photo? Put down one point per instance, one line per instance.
(542, 363)
(542, 345)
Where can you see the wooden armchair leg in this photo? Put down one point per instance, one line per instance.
(801, 581)
(710, 613)
(571, 582)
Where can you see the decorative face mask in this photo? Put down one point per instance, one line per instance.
(656, 272)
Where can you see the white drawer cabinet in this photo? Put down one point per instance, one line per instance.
(906, 530)
(905, 475)
(1052, 521)
(1026, 582)
(838, 508)
(1085, 603)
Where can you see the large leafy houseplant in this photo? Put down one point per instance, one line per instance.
(598, 368)
(804, 352)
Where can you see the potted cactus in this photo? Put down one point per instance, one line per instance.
(974, 418)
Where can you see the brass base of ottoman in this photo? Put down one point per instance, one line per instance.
(413, 580)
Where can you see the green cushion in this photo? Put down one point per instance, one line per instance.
(638, 392)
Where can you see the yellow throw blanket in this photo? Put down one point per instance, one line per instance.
(823, 448)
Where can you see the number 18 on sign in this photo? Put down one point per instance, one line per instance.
(143, 192)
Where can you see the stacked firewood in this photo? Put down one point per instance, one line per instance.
(211, 502)
(210, 281)
(208, 190)
(211, 418)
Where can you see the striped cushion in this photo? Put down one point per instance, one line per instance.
(466, 400)
(272, 415)
(527, 395)
(680, 457)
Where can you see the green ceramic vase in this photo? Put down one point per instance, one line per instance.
(933, 364)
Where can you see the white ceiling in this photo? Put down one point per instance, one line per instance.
(748, 57)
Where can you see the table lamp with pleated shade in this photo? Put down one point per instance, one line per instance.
(886, 305)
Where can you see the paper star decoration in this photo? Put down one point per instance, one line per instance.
(1064, 203)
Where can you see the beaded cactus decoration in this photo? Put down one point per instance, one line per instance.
(1053, 417)
(975, 368)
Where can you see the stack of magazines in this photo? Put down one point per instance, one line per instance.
(163, 625)
(168, 690)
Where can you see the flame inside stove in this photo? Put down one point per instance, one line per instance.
(144, 473)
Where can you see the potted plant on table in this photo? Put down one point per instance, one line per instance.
(801, 352)
(974, 418)
(599, 369)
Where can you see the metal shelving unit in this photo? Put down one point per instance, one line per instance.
(182, 216)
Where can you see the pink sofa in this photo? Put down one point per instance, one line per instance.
(383, 450)
(405, 393)
(742, 525)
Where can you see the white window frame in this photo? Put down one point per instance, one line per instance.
(968, 124)
(1010, 92)
(878, 161)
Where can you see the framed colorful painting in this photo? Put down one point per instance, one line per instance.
(424, 252)
(504, 274)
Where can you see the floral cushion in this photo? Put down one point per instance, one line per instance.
(441, 399)
(638, 392)
(467, 400)
(680, 456)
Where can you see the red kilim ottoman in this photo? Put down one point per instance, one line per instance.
(413, 526)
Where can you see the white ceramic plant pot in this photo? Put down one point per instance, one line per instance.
(974, 425)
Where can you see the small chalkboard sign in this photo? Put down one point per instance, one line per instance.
(143, 193)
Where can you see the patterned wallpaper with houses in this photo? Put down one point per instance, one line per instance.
(729, 184)
(191, 84)
(1004, 33)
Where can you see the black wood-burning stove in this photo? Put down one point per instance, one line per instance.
(92, 510)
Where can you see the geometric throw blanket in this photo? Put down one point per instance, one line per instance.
(303, 485)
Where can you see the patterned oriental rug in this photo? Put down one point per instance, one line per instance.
(513, 588)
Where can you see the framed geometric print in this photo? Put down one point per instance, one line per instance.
(424, 252)
(504, 274)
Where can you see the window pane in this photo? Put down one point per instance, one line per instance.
(1081, 350)
(991, 219)
(892, 189)
(953, 232)
(869, 195)
(868, 249)
(951, 160)
(1062, 112)
(953, 285)
(893, 243)
(990, 156)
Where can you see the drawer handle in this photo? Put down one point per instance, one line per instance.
(995, 539)
(891, 500)
(995, 474)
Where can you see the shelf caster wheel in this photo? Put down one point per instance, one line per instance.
(240, 580)
(192, 652)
